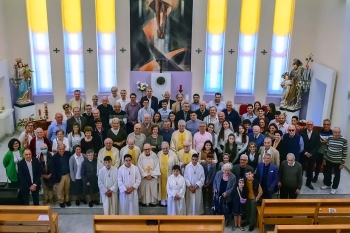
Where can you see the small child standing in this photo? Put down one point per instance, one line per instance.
(239, 199)
(209, 172)
(225, 159)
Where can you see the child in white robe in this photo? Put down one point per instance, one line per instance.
(176, 188)
(108, 185)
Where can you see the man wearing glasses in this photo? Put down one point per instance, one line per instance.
(293, 143)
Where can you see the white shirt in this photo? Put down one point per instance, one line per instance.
(79, 160)
(38, 144)
(112, 100)
(16, 158)
(123, 103)
(283, 128)
(219, 106)
(30, 168)
(309, 133)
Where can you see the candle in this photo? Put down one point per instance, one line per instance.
(180, 88)
(45, 104)
(187, 97)
(39, 112)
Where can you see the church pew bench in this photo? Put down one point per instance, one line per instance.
(338, 228)
(158, 223)
(26, 219)
(334, 211)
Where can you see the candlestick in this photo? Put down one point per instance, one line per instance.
(39, 112)
(180, 88)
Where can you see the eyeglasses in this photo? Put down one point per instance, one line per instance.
(146, 149)
(243, 159)
(291, 130)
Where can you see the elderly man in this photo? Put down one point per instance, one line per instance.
(256, 136)
(218, 124)
(123, 101)
(118, 113)
(95, 102)
(250, 114)
(167, 159)
(112, 99)
(130, 149)
(108, 150)
(145, 110)
(177, 106)
(282, 124)
(96, 115)
(292, 142)
(60, 174)
(312, 144)
(77, 101)
(105, 108)
(36, 143)
(45, 163)
(193, 124)
(164, 110)
(185, 155)
(139, 137)
(169, 102)
(240, 169)
(268, 149)
(261, 115)
(202, 111)
(166, 131)
(146, 125)
(132, 110)
(195, 105)
(220, 105)
(212, 117)
(88, 113)
(152, 100)
(179, 137)
(201, 137)
(184, 114)
(82, 121)
(334, 159)
(267, 174)
(290, 178)
(148, 164)
(232, 115)
(117, 134)
(56, 125)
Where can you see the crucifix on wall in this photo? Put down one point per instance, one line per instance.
(160, 62)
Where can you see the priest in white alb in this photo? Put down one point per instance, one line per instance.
(180, 136)
(148, 164)
(194, 176)
(110, 151)
(185, 155)
(176, 189)
(167, 159)
(129, 179)
(108, 185)
(130, 149)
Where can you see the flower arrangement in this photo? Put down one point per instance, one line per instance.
(141, 86)
(22, 122)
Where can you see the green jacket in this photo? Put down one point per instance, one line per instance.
(10, 166)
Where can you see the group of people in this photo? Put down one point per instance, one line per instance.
(174, 153)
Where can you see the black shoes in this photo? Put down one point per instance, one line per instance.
(310, 186)
(314, 180)
(68, 203)
(84, 202)
(243, 224)
(91, 204)
(251, 228)
(96, 202)
(77, 203)
(62, 205)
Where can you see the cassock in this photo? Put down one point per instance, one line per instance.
(176, 186)
(148, 190)
(166, 163)
(178, 139)
(135, 153)
(113, 152)
(108, 180)
(185, 158)
(127, 178)
(194, 175)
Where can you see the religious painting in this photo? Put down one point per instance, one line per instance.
(161, 35)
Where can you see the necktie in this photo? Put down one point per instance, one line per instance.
(180, 106)
(79, 122)
(185, 115)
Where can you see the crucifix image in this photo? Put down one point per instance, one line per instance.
(160, 62)
(148, 170)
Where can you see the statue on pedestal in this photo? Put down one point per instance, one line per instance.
(22, 80)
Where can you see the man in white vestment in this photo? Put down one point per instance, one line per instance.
(129, 179)
(132, 150)
(110, 151)
(176, 189)
(167, 159)
(179, 136)
(108, 185)
(148, 164)
(185, 155)
(194, 176)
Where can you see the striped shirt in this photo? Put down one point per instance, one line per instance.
(336, 150)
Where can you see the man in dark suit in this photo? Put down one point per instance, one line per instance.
(267, 174)
(167, 99)
(153, 101)
(184, 114)
(29, 177)
(82, 121)
(312, 144)
(202, 111)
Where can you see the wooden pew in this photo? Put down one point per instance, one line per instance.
(158, 223)
(25, 219)
(334, 211)
(340, 228)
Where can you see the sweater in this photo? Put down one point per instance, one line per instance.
(336, 150)
(291, 176)
(10, 165)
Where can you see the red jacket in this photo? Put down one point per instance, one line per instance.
(32, 145)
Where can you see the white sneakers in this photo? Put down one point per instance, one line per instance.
(333, 191)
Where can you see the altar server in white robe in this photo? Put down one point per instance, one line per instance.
(176, 189)
(132, 150)
(194, 176)
(167, 159)
(185, 155)
(110, 151)
(148, 164)
(129, 180)
(108, 185)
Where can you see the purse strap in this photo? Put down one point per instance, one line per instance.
(239, 192)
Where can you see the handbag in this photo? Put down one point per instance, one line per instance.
(241, 200)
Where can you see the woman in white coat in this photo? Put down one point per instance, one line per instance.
(176, 188)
